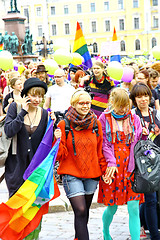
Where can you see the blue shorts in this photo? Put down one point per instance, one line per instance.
(74, 186)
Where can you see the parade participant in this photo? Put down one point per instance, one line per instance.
(121, 131)
(141, 97)
(3, 84)
(100, 86)
(154, 81)
(14, 96)
(30, 126)
(41, 73)
(81, 161)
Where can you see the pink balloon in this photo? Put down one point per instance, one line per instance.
(127, 74)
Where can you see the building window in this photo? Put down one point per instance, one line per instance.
(67, 29)
(122, 46)
(26, 14)
(121, 24)
(54, 30)
(40, 31)
(93, 27)
(79, 8)
(81, 25)
(53, 11)
(154, 42)
(120, 4)
(136, 23)
(155, 2)
(107, 25)
(95, 47)
(38, 11)
(137, 44)
(106, 6)
(135, 3)
(155, 22)
(66, 11)
(93, 7)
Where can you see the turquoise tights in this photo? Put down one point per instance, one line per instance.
(134, 220)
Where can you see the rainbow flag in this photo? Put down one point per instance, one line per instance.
(22, 213)
(115, 57)
(80, 47)
(114, 37)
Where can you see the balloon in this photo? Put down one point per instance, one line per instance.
(127, 74)
(16, 67)
(115, 70)
(62, 56)
(156, 52)
(6, 60)
(21, 69)
(77, 59)
(51, 66)
(60, 43)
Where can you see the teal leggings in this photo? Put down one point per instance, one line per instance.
(134, 220)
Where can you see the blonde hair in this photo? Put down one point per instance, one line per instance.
(36, 91)
(13, 81)
(100, 64)
(118, 97)
(76, 95)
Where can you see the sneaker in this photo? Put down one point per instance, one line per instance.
(143, 235)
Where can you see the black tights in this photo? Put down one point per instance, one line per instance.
(81, 205)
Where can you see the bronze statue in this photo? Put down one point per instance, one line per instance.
(1, 38)
(15, 6)
(27, 45)
(6, 40)
(13, 44)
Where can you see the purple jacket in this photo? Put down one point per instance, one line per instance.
(108, 148)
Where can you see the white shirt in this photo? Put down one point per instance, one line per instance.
(60, 97)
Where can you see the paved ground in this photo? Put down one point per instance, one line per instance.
(58, 225)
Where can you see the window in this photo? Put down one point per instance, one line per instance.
(155, 2)
(137, 45)
(38, 11)
(53, 11)
(93, 26)
(155, 22)
(67, 28)
(120, 4)
(135, 3)
(93, 7)
(106, 6)
(79, 8)
(66, 11)
(40, 31)
(122, 46)
(54, 30)
(95, 47)
(136, 23)
(121, 24)
(154, 42)
(80, 23)
(26, 14)
(107, 25)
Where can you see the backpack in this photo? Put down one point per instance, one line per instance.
(147, 167)
(68, 128)
(5, 142)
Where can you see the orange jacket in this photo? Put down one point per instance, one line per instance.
(89, 161)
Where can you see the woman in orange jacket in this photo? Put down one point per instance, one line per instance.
(81, 161)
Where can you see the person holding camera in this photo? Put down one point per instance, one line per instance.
(150, 119)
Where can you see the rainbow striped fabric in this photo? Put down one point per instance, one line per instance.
(80, 47)
(22, 213)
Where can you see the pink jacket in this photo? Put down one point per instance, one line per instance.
(108, 148)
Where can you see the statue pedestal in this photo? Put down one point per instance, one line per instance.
(26, 58)
(14, 22)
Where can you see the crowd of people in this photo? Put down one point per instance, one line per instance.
(98, 123)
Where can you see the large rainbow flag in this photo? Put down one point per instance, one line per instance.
(22, 213)
(115, 57)
(80, 47)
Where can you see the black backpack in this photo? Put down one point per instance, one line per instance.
(68, 128)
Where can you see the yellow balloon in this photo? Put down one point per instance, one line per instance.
(21, 69)
(62, 56)
(115, 70)
(6, 60)
(60, 43)
(51, 66)
(77, 59)
(156, 52)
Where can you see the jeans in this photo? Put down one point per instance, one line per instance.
(148, 215)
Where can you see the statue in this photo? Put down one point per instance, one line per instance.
(1, 39)
(13, 44)
(15, 6)
(6, 40)
(27, 45)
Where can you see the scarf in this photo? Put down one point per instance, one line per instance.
(112, 128)
(78, 123)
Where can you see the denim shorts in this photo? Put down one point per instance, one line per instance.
(74, 186)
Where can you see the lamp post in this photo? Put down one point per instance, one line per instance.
(44, 47)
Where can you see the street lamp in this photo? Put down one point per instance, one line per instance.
(44, 47)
